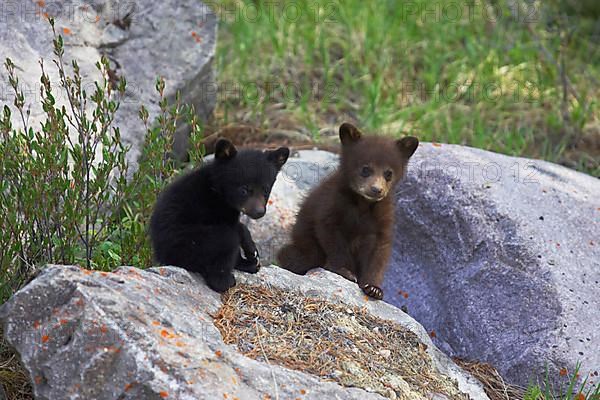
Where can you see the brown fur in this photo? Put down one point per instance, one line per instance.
(345, 224)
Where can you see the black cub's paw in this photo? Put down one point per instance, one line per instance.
(220, 283)
(250, 264)
(372, 291)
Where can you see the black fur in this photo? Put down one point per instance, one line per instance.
(195, 224)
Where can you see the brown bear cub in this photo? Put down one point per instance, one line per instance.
(345, 224)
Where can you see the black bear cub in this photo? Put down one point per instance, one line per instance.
(346, 223)
(196, 221)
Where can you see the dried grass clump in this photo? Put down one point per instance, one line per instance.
(492, 382)
(332, 341)
(14, 379)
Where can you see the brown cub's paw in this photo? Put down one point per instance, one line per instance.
(372, 291)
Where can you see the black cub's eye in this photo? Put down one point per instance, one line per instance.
(365, 172)
(244, 190)
(388, 175)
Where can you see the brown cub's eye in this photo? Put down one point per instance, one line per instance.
(388, 175)
(365, 172)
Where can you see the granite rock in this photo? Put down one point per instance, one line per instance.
(135, 334)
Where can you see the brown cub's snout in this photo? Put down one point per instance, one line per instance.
(373, 183)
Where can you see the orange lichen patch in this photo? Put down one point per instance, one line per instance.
(168, 335)
(580, 396)
(41, 3)
(163, 394)
(563, 372)
(163, 272)
(434, 144)
(219, 353)
(63, 321)
(196, 37)
(180, 344)
(155, 323)
(225, 396)
(432, 334)
(103, 328)
(45, 338)
(104, 274)
(36, 324)
(129, 386)
(97, 19)
(302, 391)
(266, 397)
(67, 31)
(233, 380)
(270, 202)
(87, 272)
(134, 272)
(38, 379)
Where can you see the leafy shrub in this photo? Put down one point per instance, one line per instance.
(67, 191)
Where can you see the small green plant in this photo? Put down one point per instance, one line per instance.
(574, 390)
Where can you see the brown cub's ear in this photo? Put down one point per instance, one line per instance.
(407, 145)
(279, 156)
(349, 133)
(224, 150)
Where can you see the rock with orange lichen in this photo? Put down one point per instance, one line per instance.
(106, 336)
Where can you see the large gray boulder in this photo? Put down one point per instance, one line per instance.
(498, 257)
(136, 334)
(143, 39)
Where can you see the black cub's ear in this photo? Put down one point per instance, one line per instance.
(279, 156)
(349, 133)
(407, 145)
(224, 150)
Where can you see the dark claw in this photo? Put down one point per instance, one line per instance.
(372, 291)
(251, 265)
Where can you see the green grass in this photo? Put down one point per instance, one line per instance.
(393, 68)
(585, 390)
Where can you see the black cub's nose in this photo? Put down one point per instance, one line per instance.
(257, 212)
(376, 190)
